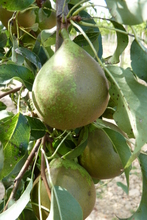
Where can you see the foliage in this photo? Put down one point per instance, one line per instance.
(27, 144)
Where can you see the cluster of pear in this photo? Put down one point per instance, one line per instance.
(28, 18)
(71, 91)
(98, 161)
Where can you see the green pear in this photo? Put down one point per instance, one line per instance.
(71, 176)
(99, 157)
(71, 89)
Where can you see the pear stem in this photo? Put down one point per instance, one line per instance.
(64, 33)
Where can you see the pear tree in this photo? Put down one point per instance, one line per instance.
(70, 117)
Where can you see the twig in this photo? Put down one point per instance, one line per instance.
(61, 10)
(22, 171)
(11, 91)
(43, 174)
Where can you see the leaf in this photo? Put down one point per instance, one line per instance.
(120, 144)
(139, 60)
(15, 210)
(40, 50)
(1, 157)
(29, 55)
(10, 71)
(122, 42)
(16, 4)
(123, 186)
(64, 205)
(128, 12)
(5, 114)
(82, 142)
(38, 129)
(9, 179)
(3, 39)
(131, 98)
(90, 20)
(2, 106)
(48, 37)
(14, 135)
(82, 42)
(141, 212)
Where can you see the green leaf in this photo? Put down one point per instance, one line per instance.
(38, 129)
(9, 179)
(131, 99)
(64, 205)
(16, 4)
(139, 60)
(10, 71)
(2, 106)
(82, 142)
(48, 37)
(141, 212)
(122, 42)
(1, 158)
(128, 12)
(5, 114)
(3, 39)
(90, 20)
(29, 55)
(14, 135)
(82, 42)
(15, 210)
(124, 187)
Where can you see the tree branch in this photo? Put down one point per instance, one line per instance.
(22, 171)
(43, 174)
(61, 10)
(11, 91)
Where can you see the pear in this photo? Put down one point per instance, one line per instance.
(71, 89)
(25, 19)
(99, 158)
(71, 176)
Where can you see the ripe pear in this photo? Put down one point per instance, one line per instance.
(71, 89)
(74, 178)
(100, 158)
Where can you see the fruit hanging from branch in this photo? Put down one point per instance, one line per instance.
(71, 176)
(71, 89)
(25, 19)
(100, 158)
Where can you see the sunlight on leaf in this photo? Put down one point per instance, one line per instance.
(122, 42)
(64, 205)
(16, 4)
(15, 210)
(128, 12)
(14, 135)
(131, 97)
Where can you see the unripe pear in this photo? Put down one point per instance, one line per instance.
(25, 19)
(100, 158)
(71, 176)
(71, 89)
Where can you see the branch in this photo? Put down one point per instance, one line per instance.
(43, 174)
(61, 11)
(11, 91)
(22, 171)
